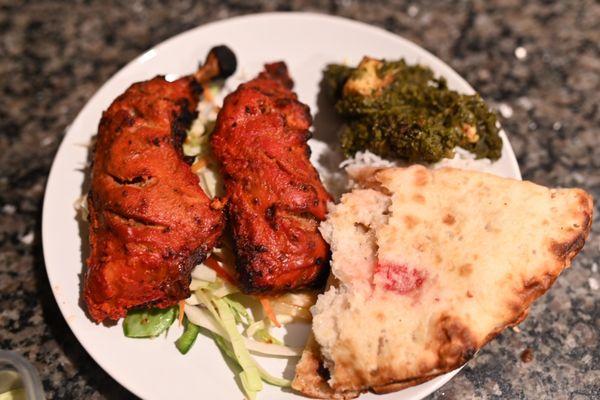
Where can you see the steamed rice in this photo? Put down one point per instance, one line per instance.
(462, 159)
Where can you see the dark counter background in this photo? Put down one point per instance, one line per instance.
(55, 55)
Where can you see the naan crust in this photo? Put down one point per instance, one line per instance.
(433, 264)
(311, 376)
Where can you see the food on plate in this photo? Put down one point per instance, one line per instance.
(403, 111)
(275, 197)
(427, 267)
(150, 222)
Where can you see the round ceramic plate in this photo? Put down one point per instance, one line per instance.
(154, 369)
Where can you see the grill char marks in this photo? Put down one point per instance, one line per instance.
(150, 221)
(276, 198)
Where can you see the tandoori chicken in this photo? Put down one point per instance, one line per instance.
(150, 222)
(275, 197)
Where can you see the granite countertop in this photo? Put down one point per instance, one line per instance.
(537, 62)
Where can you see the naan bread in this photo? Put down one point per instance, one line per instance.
(430, 266)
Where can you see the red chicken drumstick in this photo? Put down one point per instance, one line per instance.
(150, 222)
(276, 199)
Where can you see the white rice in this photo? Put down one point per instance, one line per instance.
(337, 181)
(462, 159)
(465, 160)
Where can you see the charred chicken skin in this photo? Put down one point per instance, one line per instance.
(275, 196)
(150, 222)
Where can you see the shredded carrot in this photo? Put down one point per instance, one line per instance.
(199, 164)
(181, 313)
(222, 272)
(269, 311)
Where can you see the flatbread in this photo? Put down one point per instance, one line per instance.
(431, 265)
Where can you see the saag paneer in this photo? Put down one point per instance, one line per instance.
(403, 111)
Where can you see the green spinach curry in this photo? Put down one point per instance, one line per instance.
(403, 111)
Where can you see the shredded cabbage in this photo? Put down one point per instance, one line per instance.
(223, 288)
(204, 273)
(249, 376)
(197, 284)
(242, 316)
(264, 374)
(302, 299)
(255, 327)
(209, 181)
(260, 331)
(295, 312)
(192, 300)
(263, 335)
(200, 316)
(273, 380)
(294, 305)
(205, 318)
(221, 316)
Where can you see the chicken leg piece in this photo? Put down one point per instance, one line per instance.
(150, 222)
(276, 198)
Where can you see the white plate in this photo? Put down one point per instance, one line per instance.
(153, 369)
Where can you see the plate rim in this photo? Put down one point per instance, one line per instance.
(143, 57)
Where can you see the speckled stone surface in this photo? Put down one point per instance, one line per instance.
(537, 62)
